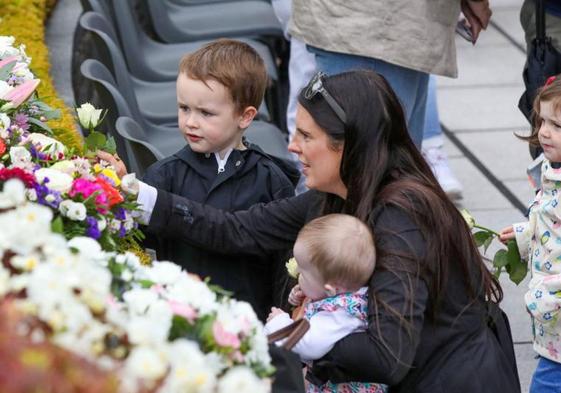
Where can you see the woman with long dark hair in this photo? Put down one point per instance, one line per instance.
(428, 296)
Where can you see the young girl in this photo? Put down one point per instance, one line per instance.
(539, 241)
(336, 257)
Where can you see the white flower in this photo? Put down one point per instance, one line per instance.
(85, 245)
(58, 181)
(7, 46)
(45, 144)
(242, 380)
(19, 156)
(26, 263)
(139, 300)
(31, 194)
(5, 88)
(164, 273)
(101, 224)
(470, 221)
(13, 194)
(146, 363)
(88, 115)
(292, 268)
(65, 166)
(129, 184)
(77, 212)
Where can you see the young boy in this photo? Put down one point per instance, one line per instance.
(219, 89)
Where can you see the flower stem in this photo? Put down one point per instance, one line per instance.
(486, 229)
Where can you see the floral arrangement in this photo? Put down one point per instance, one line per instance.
(87, 197)
(149, 327)
(158, 326)
(507, 259)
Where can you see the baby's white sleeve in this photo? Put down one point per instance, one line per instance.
(523, 235)
(326, 328)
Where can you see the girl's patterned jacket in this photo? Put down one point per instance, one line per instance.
(539, 243)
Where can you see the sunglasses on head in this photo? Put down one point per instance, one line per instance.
(315, 86)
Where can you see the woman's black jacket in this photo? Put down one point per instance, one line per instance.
(454, 353)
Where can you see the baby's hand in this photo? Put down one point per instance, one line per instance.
(274, 312)
(296, 296)
(506, 234)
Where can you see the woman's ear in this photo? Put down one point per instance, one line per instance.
(247, 117)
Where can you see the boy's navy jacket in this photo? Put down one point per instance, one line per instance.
(250, 177)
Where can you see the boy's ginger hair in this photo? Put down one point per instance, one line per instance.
(341, 248)
(234, 64)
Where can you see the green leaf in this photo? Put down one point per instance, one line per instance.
(487, 243)
(180, 327)
(146, 283)
(110, 146)
(95, 140)
(500, 260)
(517, 268)
(481, 237)
(57, 226)
(41, 125)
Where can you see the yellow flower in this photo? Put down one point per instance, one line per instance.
(292, 268)
(111, 174)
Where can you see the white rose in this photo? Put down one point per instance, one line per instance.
(101, 224)
(19, 156)
(85, 245)
(164, 273)
(88, 115)
(146, 363)
(58, 181)
(14, 192)
(77, 212)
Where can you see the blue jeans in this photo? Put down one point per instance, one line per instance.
(409, 85)
(432, 120)
(547, 377)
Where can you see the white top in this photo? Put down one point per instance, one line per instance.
(326, 328)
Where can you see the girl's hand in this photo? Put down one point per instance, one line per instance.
(115, 161)
(274, 312)
(506, 234)
(296, 296)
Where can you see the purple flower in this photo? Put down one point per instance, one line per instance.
(22, 121)
(120, 214)
(37, 154)
(122, 231)
(92, 230)
(47, 197)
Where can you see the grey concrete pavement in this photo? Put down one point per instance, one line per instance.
(479, 109)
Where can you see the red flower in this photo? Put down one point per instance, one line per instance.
(17, 173)
(2, 146)
(113, 195)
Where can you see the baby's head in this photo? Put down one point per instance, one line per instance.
(546, 129)
(219, 88)
(335, 254)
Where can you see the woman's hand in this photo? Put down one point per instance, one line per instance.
(506, 234)
(274, 312)
(477, 14)
(115, 161)
(296, 296)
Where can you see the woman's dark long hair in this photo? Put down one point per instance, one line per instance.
(382, 167)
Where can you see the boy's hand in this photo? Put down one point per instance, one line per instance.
(274, 312)
(296, 296)
(506, 234)
(115, 161)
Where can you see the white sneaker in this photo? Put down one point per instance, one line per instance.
(438, 161)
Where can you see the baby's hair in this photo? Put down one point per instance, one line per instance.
(550, 92)
(234, 64)
(341, 247)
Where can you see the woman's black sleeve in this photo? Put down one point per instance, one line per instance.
(385, 352)
(261, 229)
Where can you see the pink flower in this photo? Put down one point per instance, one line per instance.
(183, 310)
(19, 94)
(224, 338)
(86, 188)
